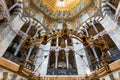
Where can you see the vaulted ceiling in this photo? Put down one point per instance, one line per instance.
(58, 9)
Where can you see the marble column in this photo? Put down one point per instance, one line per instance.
(95, 28)
(29, 53)
(67, 59)
(94, 52)
(110, 55)
(18, 48)
(13, 6)
(21, 42)
(112, 6)
(56, 60)
(30, 50)
(86, 32)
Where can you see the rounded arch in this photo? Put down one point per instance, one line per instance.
(106, 8)
(35, 23)
(97, 18)
(15, 7)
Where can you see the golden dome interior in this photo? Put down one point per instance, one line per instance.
(64, 5)
(58, 9)
(55, 11)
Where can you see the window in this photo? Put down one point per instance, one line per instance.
(14, 77)
(103, 78)
(5, 75)
(111, 77)
(119, 74)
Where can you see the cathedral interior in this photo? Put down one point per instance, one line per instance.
(59, 39)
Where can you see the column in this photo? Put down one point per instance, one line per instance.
(28, 28)
(93, 49)
(30, 50)
(57, 42)
(18, 48)
(117, 13)
(13, 6)
(86, 32)
(29, 53)
(66, 42)
(21, 42)
(67, 59)
(95, 27)
(111, 57)
(113, 7)
(96, 57)
(56, 60)
(95, 54)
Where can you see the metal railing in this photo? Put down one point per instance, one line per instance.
(62, 71)
(11, 57)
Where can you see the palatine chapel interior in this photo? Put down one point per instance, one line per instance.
(59, 39)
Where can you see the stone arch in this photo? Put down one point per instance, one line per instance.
(18, 9)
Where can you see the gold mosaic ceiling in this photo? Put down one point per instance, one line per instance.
(58, 9)
(61, 5)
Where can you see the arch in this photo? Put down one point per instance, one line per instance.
(96, 18)
(17, 7)
(106, 8)
(16, 44)
(35, 23)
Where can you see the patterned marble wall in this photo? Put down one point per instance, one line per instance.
(41, 62)
(112, 29)
(82, 64)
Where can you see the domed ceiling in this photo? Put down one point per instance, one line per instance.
(58, 9)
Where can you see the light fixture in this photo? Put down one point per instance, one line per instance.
(61, 0)
(64, 33)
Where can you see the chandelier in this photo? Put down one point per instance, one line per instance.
(27, 68)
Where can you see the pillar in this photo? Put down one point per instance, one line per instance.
(13, 6)
(56, 60)
(112, 6)
(86, 32)
(30, 50)
(95, 27)
(21, 42)
(29, 53)
(57, 42)
(67, 59)
(94, 52)
(18, 48)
